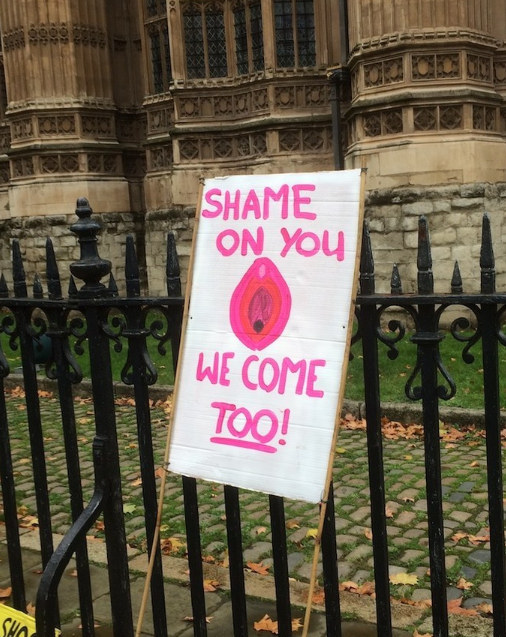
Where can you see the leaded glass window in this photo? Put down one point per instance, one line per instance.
(241, 40)
(194, 41)
(249, 44)
(205, 41)
(294, 33)
(216, 43)
(158, 45)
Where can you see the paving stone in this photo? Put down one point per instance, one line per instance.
(453, 593)
(481, 556)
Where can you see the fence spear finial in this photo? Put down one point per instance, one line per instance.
(487, 260)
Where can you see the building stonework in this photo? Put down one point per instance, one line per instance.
(131, 104)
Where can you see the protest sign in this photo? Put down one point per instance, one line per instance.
(14, 623)
(266, 331)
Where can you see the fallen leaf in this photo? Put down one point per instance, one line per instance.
(172, 545)
(368, 533)
(485, 608)
(463, 584)
(319, 597)
(30, 609)
(189, 618)
(404, 578)
(348, 586)
(475, 463)
(137, 482)
(211, 585)
(5, 592)
(258, 568)
(312, 533)
(389, 513)
(260, 529)
(417, 634)
(266, 623)
(455, 608)
(292, 524)
(129, 508)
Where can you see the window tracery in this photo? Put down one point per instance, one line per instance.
(294, 33)
(157, 31)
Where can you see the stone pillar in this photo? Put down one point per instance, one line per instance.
(61, 108)
(424, 72)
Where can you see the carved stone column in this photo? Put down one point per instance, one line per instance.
(61, 108)
(424, 72)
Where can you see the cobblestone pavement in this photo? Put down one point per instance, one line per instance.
(464, 485)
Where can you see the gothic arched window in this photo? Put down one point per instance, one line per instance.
(249, 45)
(294, 29)
(157, 31)
(205, 41)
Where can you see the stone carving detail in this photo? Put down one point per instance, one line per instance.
(95, 126)
(479, 68)
(388, 122)
(392, 121)
(382, 72)
(14, 39)
(260, 100)
(500, 71)
(450, 117)
(56, 125)
(22, 167)
(305, 140)
(220, 148)
(373, 74)
(134, 165)
(88, 35)
(22, 128)
(5, 139)
(161, 157)
(372, 125)
(425, 118)
(284, 96)
(235, 104)
(484, 118)
(130, 129)
(448, 65)
(64, 163)
(430, 67)
(103, 163)
(51, 33)
(5, 173)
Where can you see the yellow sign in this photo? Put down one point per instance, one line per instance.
(14, 623)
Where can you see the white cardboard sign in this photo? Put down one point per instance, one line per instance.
(266, 333)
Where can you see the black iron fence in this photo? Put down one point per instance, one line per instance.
(96, 315)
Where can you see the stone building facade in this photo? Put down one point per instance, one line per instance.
(131, 103)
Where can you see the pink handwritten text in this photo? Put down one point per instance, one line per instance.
(307, 244)
(240, 205)
(238, 427)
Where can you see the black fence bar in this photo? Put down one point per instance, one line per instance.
(59, 367)
(191, 516)
(427, 338)
(330, 569)
(140, 372)
(235, 557)
(10, 509)
(280, 559)
(368, 326)
(488, 324)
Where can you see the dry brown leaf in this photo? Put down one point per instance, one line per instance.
(137, 482)
(485, 608)
(417, 634)
(30, 609)
(266, 623)
(463, 584)
(319, 597)
(475, 463)
(5, 592)
(260, 529)
(455, 608)
(389, 512)
(292, 524)
(172, 545)
(368, 533)
(211, 585)
(352, 587)
(258, 568)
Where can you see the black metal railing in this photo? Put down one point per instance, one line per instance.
(97, 315)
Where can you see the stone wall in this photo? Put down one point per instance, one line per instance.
(32, 233)
(454, 214)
